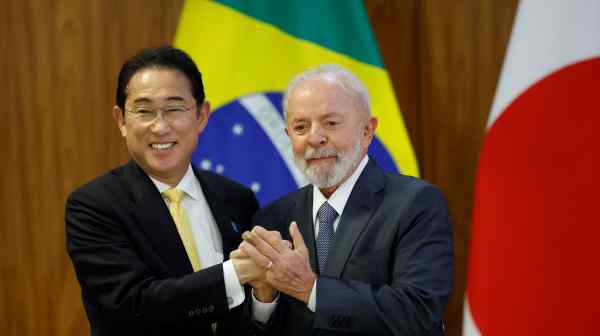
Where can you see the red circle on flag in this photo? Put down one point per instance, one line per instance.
(534, 267)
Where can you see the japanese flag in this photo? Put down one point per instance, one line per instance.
(534, 261)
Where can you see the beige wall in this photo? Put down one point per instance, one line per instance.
(59, 65)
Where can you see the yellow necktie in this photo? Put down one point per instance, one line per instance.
(174, 196)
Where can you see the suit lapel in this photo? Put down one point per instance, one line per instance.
(302, 214)
(364, 200)
(216, 199)
(155, 220)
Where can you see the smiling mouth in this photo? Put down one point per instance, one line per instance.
(162, 146)
(319, 159)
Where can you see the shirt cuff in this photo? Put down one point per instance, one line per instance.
(261, 311)
(233, 288)
(312, 300)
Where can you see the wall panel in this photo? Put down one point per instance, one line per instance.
(60, 72)
(396, 27)
(462, 45)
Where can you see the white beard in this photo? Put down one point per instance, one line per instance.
(322, 176)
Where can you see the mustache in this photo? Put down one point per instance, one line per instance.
(319, 153)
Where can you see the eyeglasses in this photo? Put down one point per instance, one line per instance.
(170, 114)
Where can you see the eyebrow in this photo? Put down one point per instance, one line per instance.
(296, 120)
(331, 115)
(141, 100)
(148, 100)
(175, 98)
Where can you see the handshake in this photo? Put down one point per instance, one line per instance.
(269, 264)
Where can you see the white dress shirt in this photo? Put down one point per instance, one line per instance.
(261, 311)
(205, 231)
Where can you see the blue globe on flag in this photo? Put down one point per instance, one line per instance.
(245, 141)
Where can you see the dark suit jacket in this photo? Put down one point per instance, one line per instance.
(389, 271)
(135, 276)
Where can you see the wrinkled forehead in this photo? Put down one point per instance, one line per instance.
(323, 94)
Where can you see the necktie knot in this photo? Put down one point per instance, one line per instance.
(173, 195)
(326, 213)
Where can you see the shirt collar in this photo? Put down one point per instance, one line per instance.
(189, 184)
(340, 196)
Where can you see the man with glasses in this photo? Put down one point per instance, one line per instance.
(148, 239)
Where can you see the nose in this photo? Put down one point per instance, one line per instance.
(317, 137)
(160, 125)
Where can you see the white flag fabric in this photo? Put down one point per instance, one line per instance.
(533, 265)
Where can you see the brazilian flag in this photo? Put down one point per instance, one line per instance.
(248, 51)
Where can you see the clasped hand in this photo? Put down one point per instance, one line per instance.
(278, 264)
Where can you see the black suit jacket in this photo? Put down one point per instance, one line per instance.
(135, 276)
(389, 271)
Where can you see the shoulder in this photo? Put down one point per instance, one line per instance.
(283, 206)
(414, 195)
(233, 194)
(98, 202)
(375, 179)
(216, 180)
(223, 185)
(410, 186)
(106, 186)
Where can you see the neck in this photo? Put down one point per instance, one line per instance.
(172, 178)
(327, 192)
(171, 181)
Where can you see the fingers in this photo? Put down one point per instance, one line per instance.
(266, 248)
(253, 253)
(299, 244)
(273, 238)
(247, 270)
(261, 245)
(237, 254)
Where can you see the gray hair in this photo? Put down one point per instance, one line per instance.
(342, 77)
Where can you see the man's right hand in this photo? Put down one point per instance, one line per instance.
(250, 273)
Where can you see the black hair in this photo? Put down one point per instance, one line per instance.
(161, 57)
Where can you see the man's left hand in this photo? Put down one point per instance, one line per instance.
(288, 269)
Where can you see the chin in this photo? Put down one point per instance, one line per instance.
(162, 167)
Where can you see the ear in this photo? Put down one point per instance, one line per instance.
(203, 114)
(119, 116)
(369, 131)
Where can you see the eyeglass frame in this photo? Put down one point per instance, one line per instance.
(155, 113)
